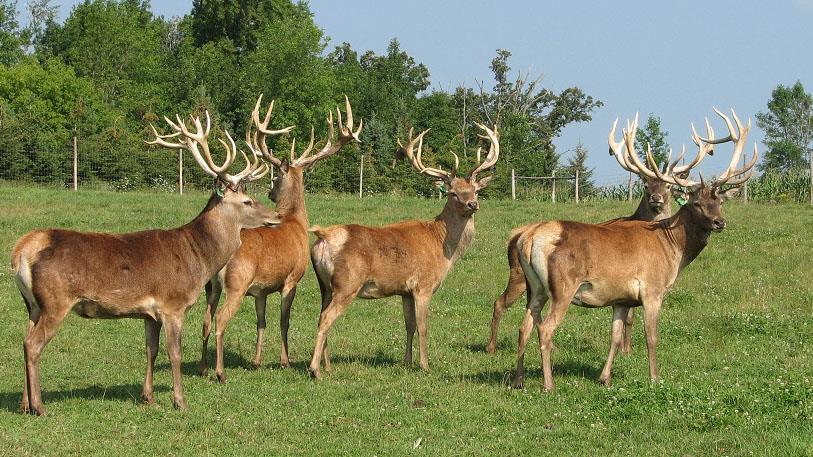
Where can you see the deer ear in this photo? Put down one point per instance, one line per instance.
(483, 182)
(729, 194)
(284, 165)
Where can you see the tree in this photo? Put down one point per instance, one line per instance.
(10, 40)
(655, 137)
(788, 126)
(579, 162)
(530, 117)
(240, 21)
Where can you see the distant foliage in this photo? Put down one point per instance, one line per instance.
(788, 126)
(112, 68)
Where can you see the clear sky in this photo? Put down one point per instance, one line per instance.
(675, 59)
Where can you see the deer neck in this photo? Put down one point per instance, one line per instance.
(291, 200)
(213, 237)
(454, 231)
(645, 213)
(685, 236)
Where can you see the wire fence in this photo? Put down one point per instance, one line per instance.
(356, 173)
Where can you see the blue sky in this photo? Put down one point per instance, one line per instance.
(676, 59)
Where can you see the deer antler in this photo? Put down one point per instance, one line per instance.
(346, 135)
(673, 174)
(627, 138)
(197, 141)
(257, 140)
(415, 158)
(738, 138)
(493, 150)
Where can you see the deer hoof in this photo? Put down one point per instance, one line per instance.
(221, 378)
(315, 374)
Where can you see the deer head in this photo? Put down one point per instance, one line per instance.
(229, 192)
(656, 191)
(461, 192)
(705, 199)
(305, 160)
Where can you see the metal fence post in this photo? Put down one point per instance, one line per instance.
(577, 185)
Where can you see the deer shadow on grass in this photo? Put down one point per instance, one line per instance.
(231, 359)
(10, 401)
(503, 344)
(564, 369)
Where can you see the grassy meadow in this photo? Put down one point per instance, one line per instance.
(735, 353)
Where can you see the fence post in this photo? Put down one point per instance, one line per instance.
(577, 185)
(75, 164)
(810, 159)
(180, 171)
(361, 177)
(553, 188)
(513, 185)
(629, 188)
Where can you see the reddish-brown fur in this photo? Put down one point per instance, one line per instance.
(655, 205)
(155, 275)
(269, 260)
(409, 259)
(273, 260)
(610, 265)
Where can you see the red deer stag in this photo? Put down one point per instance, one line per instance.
(409, 258)
(611, 265)
(271, 260)
(155, 275)
(655, 205)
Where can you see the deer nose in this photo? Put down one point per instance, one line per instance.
(719, 223)
(473, 205)
(656, 198)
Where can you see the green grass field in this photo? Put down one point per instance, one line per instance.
(735, 353)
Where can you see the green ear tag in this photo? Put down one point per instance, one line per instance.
(218, 189)
(681, 201)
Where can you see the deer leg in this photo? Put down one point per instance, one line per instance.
(38, 336)
(152, 333)
(224, 315)
(626, 346)
(338, 304)
(213, 290)
(287, 299)
(652, 309)
(326, 292)
(421, 313)
(259, 309)
(25, 405)
(620, 314)
(515, 288)
(172, 327)
(546, 328)
(408, 303)
(531, 317)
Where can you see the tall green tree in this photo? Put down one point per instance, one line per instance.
(652, 134)
(530, 117)
(579, 162)
(788, 126)
(242, 22)
(11, 41)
